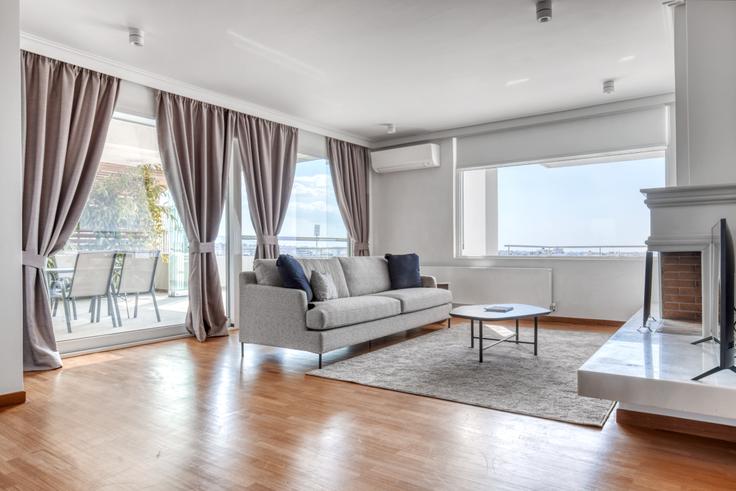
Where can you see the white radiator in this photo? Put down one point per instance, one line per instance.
(483, 285)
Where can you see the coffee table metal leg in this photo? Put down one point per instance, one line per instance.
(535, 336)
(480, 341)
(472, 333)
(517, 331)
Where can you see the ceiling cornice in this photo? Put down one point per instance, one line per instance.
(39, 45)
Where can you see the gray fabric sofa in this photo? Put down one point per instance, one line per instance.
(367, 307)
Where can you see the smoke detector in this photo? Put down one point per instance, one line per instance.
(135, 36)
(544, 10)
(608, 86)
(390, 128)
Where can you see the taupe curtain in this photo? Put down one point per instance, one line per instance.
(268, 155)
(67, 112)
(195, 140)
(349, 167)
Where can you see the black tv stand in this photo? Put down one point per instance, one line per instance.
(646, 324)
(712, 371)
(706, 339)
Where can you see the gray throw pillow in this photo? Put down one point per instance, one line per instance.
(323, 286)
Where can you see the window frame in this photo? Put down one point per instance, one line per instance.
(623, 155)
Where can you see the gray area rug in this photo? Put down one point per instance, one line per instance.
(442, 365)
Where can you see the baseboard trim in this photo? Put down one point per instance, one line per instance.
(12, 398)
(678, 425)
(581, 321)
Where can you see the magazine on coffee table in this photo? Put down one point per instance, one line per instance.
(499, 308)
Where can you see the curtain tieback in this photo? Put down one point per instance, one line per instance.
(363, 246)
(201, 247)
(269, 240)
(33, 260)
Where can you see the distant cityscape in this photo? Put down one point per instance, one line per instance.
(302, 246)
(567, 251)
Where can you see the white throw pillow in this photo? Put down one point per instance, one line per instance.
(323, 286)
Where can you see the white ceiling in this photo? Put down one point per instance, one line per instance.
(426, 65)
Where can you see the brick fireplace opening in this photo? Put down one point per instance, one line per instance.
(682, 286)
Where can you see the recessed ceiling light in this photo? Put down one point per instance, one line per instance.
(517, 81)
(624, 59)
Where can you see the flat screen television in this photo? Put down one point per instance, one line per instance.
(648, 271)
(722, 270)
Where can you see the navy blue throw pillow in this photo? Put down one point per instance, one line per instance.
(404, 271)
(292, 274)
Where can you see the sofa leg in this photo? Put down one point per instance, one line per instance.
(320, 360)
(242, 349)
(449, 322)
(369, 344)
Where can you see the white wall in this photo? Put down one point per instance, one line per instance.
(413, 211)
(11, 350)
(705, 73)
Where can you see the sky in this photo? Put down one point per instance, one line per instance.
(312, 202)
(596, 204)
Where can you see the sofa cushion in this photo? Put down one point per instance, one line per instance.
(329, 266)
(365, 275)
(292, 275)
(351, 310)
(403, 269)
(414, 299)
(323, 287)
(266, 272)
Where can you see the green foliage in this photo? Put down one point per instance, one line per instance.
(155, 191)
(125, 209)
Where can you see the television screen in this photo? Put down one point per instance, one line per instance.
(715, 271)
(722, 297)
(725, 295)
(647, 311)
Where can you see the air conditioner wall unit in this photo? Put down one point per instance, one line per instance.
(399, 159)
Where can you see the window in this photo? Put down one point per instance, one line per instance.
(313, 226)
(557, 208)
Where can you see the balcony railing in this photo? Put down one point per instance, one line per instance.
(554, 250)
(302, 246)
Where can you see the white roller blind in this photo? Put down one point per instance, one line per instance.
(136, 99)
(644, 129)
(312, 144)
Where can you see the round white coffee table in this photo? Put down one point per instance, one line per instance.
(480, 314)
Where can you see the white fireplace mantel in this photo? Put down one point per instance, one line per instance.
(690, 195)
(682, 216)
(682, 219)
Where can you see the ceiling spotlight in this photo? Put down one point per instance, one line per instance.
(135, 36)
(390, 128)
(544, 10)
(608, 86)
(624, 59)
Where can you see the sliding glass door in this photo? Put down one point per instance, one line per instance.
(122, 276)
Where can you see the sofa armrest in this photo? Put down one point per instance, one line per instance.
(429, 281)
(261, 304)
(275, 316)
(247, 278)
